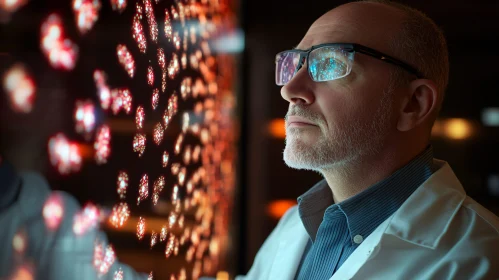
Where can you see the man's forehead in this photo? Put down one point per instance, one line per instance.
(370, 24)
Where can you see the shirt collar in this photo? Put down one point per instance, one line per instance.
(366, 210)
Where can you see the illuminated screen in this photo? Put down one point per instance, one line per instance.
(151, 86)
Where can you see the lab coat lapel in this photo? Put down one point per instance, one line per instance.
(291, 247)
(356, 260)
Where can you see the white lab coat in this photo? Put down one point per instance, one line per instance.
(438, 233)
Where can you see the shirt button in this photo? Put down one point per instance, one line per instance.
(358, 239)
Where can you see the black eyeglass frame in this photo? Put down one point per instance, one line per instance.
(353, 47)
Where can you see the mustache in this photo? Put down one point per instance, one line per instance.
(300, 111)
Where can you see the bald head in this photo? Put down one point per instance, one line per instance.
(370, 24)
(395, 29)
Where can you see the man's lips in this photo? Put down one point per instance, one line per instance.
(298, 121)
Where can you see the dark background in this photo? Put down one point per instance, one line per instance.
(472, 31)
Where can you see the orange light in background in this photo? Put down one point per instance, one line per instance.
(453, 129)
(277, 129)
(222, 275)
(277, 208)
(458, 129)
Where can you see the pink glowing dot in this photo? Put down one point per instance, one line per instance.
(139, 143)
(175, 168)
(119, 5)
(173, 67)
(20, 88)
(154, 237)
(166, 118)
(150, 277)
(165, 159)
(163, 80)
(158, 133)
(118, 275)
(158, 186)
(102, 144)
(174, 12)
(53, 211)
(119, 215)
(155, 98)
(183, 61)
(185, 87)
(170, 246)
(103, 90)
(176, 40)
(84, 116)
(151, 20)
(59, 50)
(126, 99)
(86, 220)
(181, 176)
(86, 14)
(175, 194)
(64, 155)
(103, 259)
(126, 59)
(12, 5)
(137, 30)
(161, 58)
(122, 184)
(168, 26)
(143, 188)
(150, 76)
(141, 228)
(164, 233)
(178, 144)
(172, 220)
(139, 117)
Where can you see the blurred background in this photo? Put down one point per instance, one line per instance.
(243, 153)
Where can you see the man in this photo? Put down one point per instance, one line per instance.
(364, 87)
(43, 253)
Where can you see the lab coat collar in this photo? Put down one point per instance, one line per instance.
(420, 220)
(291, 247)
(424, 207)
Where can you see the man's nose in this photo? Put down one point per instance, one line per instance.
(298, 90)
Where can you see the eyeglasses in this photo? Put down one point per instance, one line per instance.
(327, 62)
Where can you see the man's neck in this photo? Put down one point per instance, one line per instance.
(356, 176)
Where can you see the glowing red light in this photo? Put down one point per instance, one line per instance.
(139, 143)
(155, 99)
(63, 154)
(140, 117)
(126, 60)
(159, 184)
(86, 13)
(103, 260)
(137, 30)
(119, 215)
(143, 188)
(103, 90)
(150, 76)
(158, 133)
(53, 211)
(151, 20)
(87, 219)
(141, 228)
(102, 144)
(59, 50)
(84, 116)
(20, 88)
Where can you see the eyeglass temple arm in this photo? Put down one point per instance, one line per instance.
(387, 58)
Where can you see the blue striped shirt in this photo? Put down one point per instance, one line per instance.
(336, 230)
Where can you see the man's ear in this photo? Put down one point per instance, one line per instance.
(419, 104)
